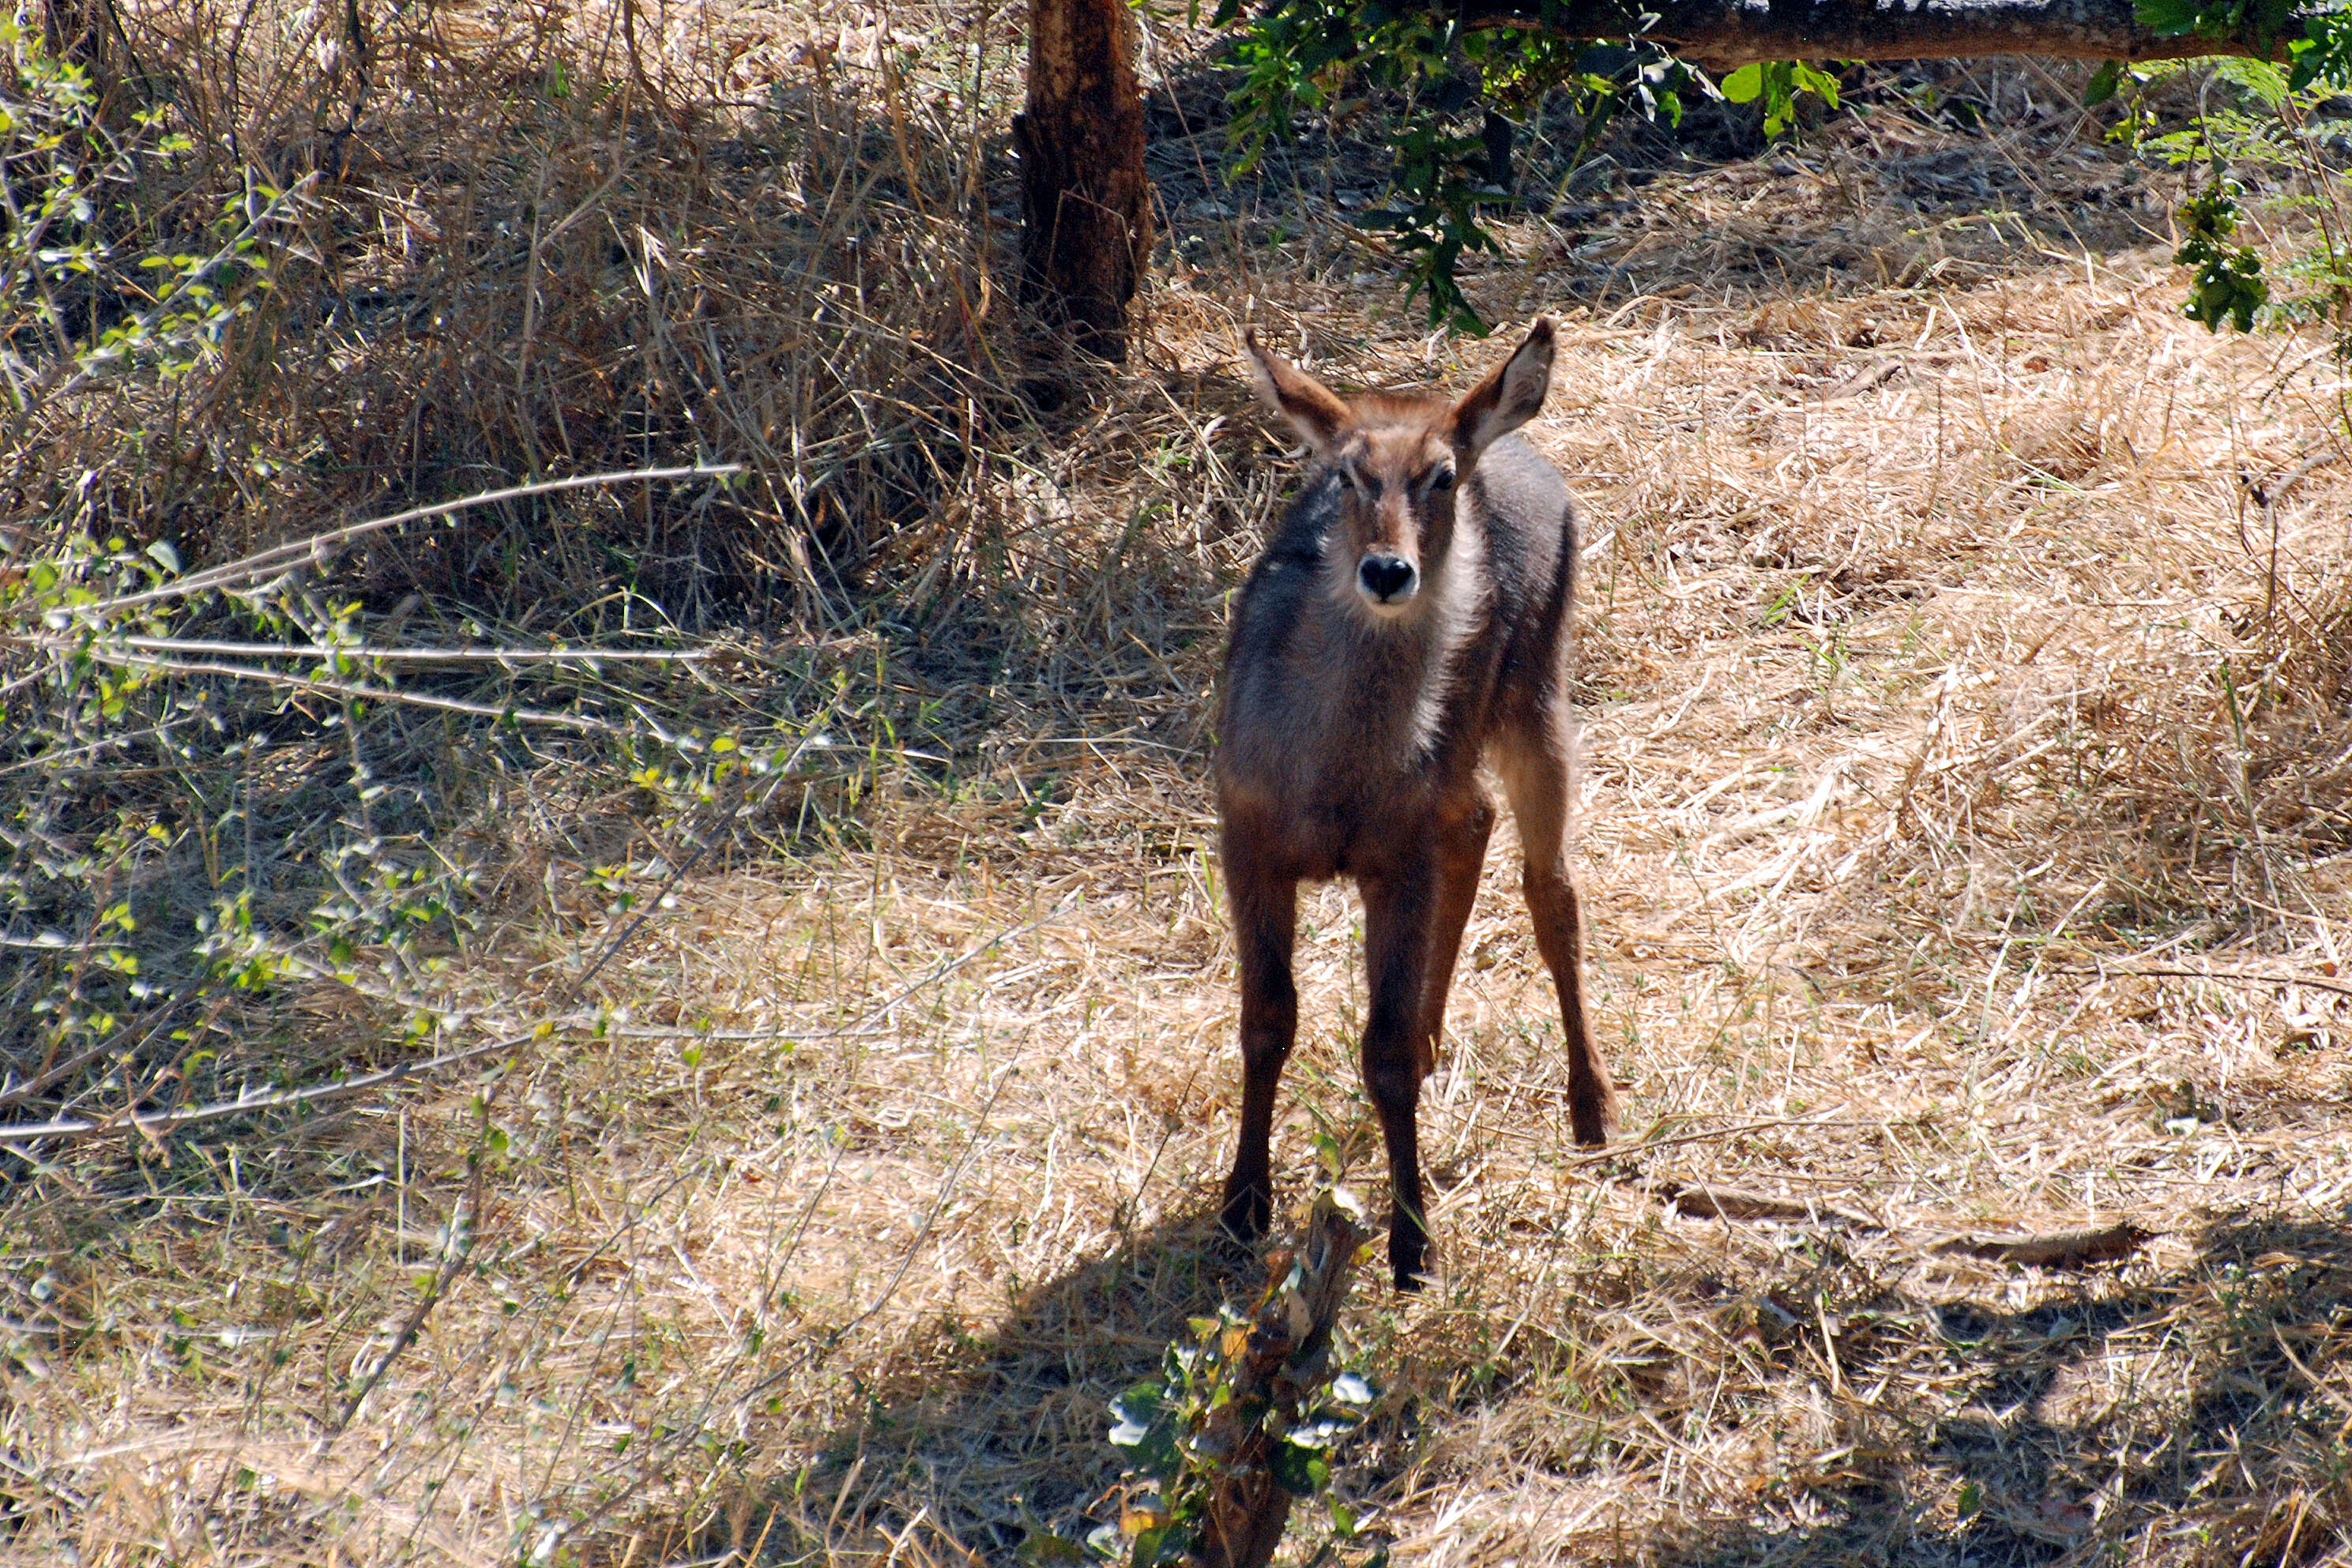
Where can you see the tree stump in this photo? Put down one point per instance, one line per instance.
(1288, 1356)
(1085, 203)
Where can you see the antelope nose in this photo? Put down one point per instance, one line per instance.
(1388, 578)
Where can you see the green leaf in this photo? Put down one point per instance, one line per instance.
(2109, 77)
(2168, 17)
(1136, 1410)
(1320, 1435)
(2228, 284)
(1045, 1548)
(1147, 1426)
(1327, 1156)
(1301, 1472)
(1744, 85)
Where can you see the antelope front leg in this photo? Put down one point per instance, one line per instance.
(1266, 920)
(1398, 908)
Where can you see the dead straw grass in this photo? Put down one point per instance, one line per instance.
(532, 240)
(1937, 875)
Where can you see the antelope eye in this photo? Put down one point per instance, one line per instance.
(1440, 479)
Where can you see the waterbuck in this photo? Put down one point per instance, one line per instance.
(1410, 618)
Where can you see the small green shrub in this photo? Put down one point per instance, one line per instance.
(1242, 1421)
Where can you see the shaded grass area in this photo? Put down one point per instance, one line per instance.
(2103, 1417)
(1962, 827)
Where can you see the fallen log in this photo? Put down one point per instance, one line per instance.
(1708, 1200)
(1720, 34)
(2055, 1249)
(2050, 1249)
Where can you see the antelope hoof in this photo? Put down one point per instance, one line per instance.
(1592, 1114)
(1409, 1259)
(1249, 1207)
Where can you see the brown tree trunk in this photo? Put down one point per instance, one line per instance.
(1085, 205)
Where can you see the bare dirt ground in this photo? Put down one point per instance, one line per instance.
(1962, 831)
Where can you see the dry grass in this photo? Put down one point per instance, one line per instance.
(1935, 873)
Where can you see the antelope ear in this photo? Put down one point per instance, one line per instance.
(1311, 407)
(1507, 398)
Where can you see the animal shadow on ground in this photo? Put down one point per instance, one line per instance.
(1008, 1439)
(2198, 1418)
(2193, 1414)
(2199, 1415)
